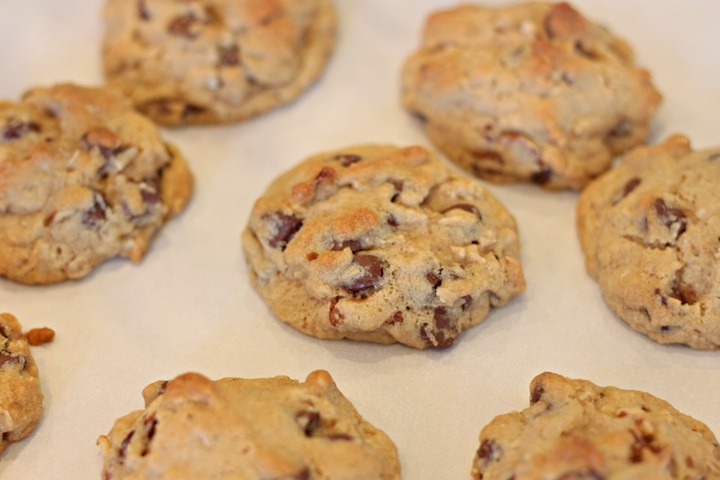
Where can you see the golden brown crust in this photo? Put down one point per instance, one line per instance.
(237, 429)
(651, 237)
(83, 178)
(574, 429)
(215, 61)
(530, 92)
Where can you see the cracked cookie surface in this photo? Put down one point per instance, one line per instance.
(530, 92)
(238, 429)
(20, 396)
(650, 232)
(83, 178)
(382, 244)
(215, 61)
(574, 429)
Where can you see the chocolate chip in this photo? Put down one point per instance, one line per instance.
(489, 451)
(466, 302)
(303, 474)
(339, 436)
(347, 159)
(190, 110)
(420, 116)
(684, 292)
(396, 317)
(15, 129)
(49, 219)
(433, 279)
(95, 216)
(308, 421)
(152, 422)
(466, 207)
(670, 216)
(107, 143)
(124, 444)
(229, 56)
(392, 221)
(542, 176)
(354, 245)
(149, 196)
(183, 26)
(665, 328)
(286, 226)
(622, 129)
(442, 319)
(590, 473)
(373, 268)
(335, 316)
(629, 186)
(142, 10)
(7, 358)
(537, 393)
(398, 184)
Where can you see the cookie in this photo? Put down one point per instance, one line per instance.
(574, 429)
(215, 61)
(237, 429)
(530, 92)
(20, 396)
(83, 178)
(650, 231)
(382, 244)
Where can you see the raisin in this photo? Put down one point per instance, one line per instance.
(542, 176)
(142, 10)
(11, 358)
(433, 279)
(396, 317)
(467, 301)
(124, 444)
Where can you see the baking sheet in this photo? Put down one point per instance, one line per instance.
(189, 304)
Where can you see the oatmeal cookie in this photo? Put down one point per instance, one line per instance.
(574, 429)
(215, 61)
(650, 231)
(382, 244)
(83, 178)
(237, 429)
(530, 92)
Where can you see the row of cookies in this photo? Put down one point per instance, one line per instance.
(278, 428)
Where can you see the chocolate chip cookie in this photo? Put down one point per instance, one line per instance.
(382, 244)
(574, 429)
(650, 231)
(20, 396)
(83, 178)
(237, 429)
(531, 92)
(215, 61)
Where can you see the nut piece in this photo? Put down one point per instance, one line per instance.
(39, 336)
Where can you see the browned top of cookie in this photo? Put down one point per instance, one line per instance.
(237, 429)
(382, 244)
(208, 61)
(83, 178)
(20, 397)
(574, 429)
(528, 92)
(650, 231)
